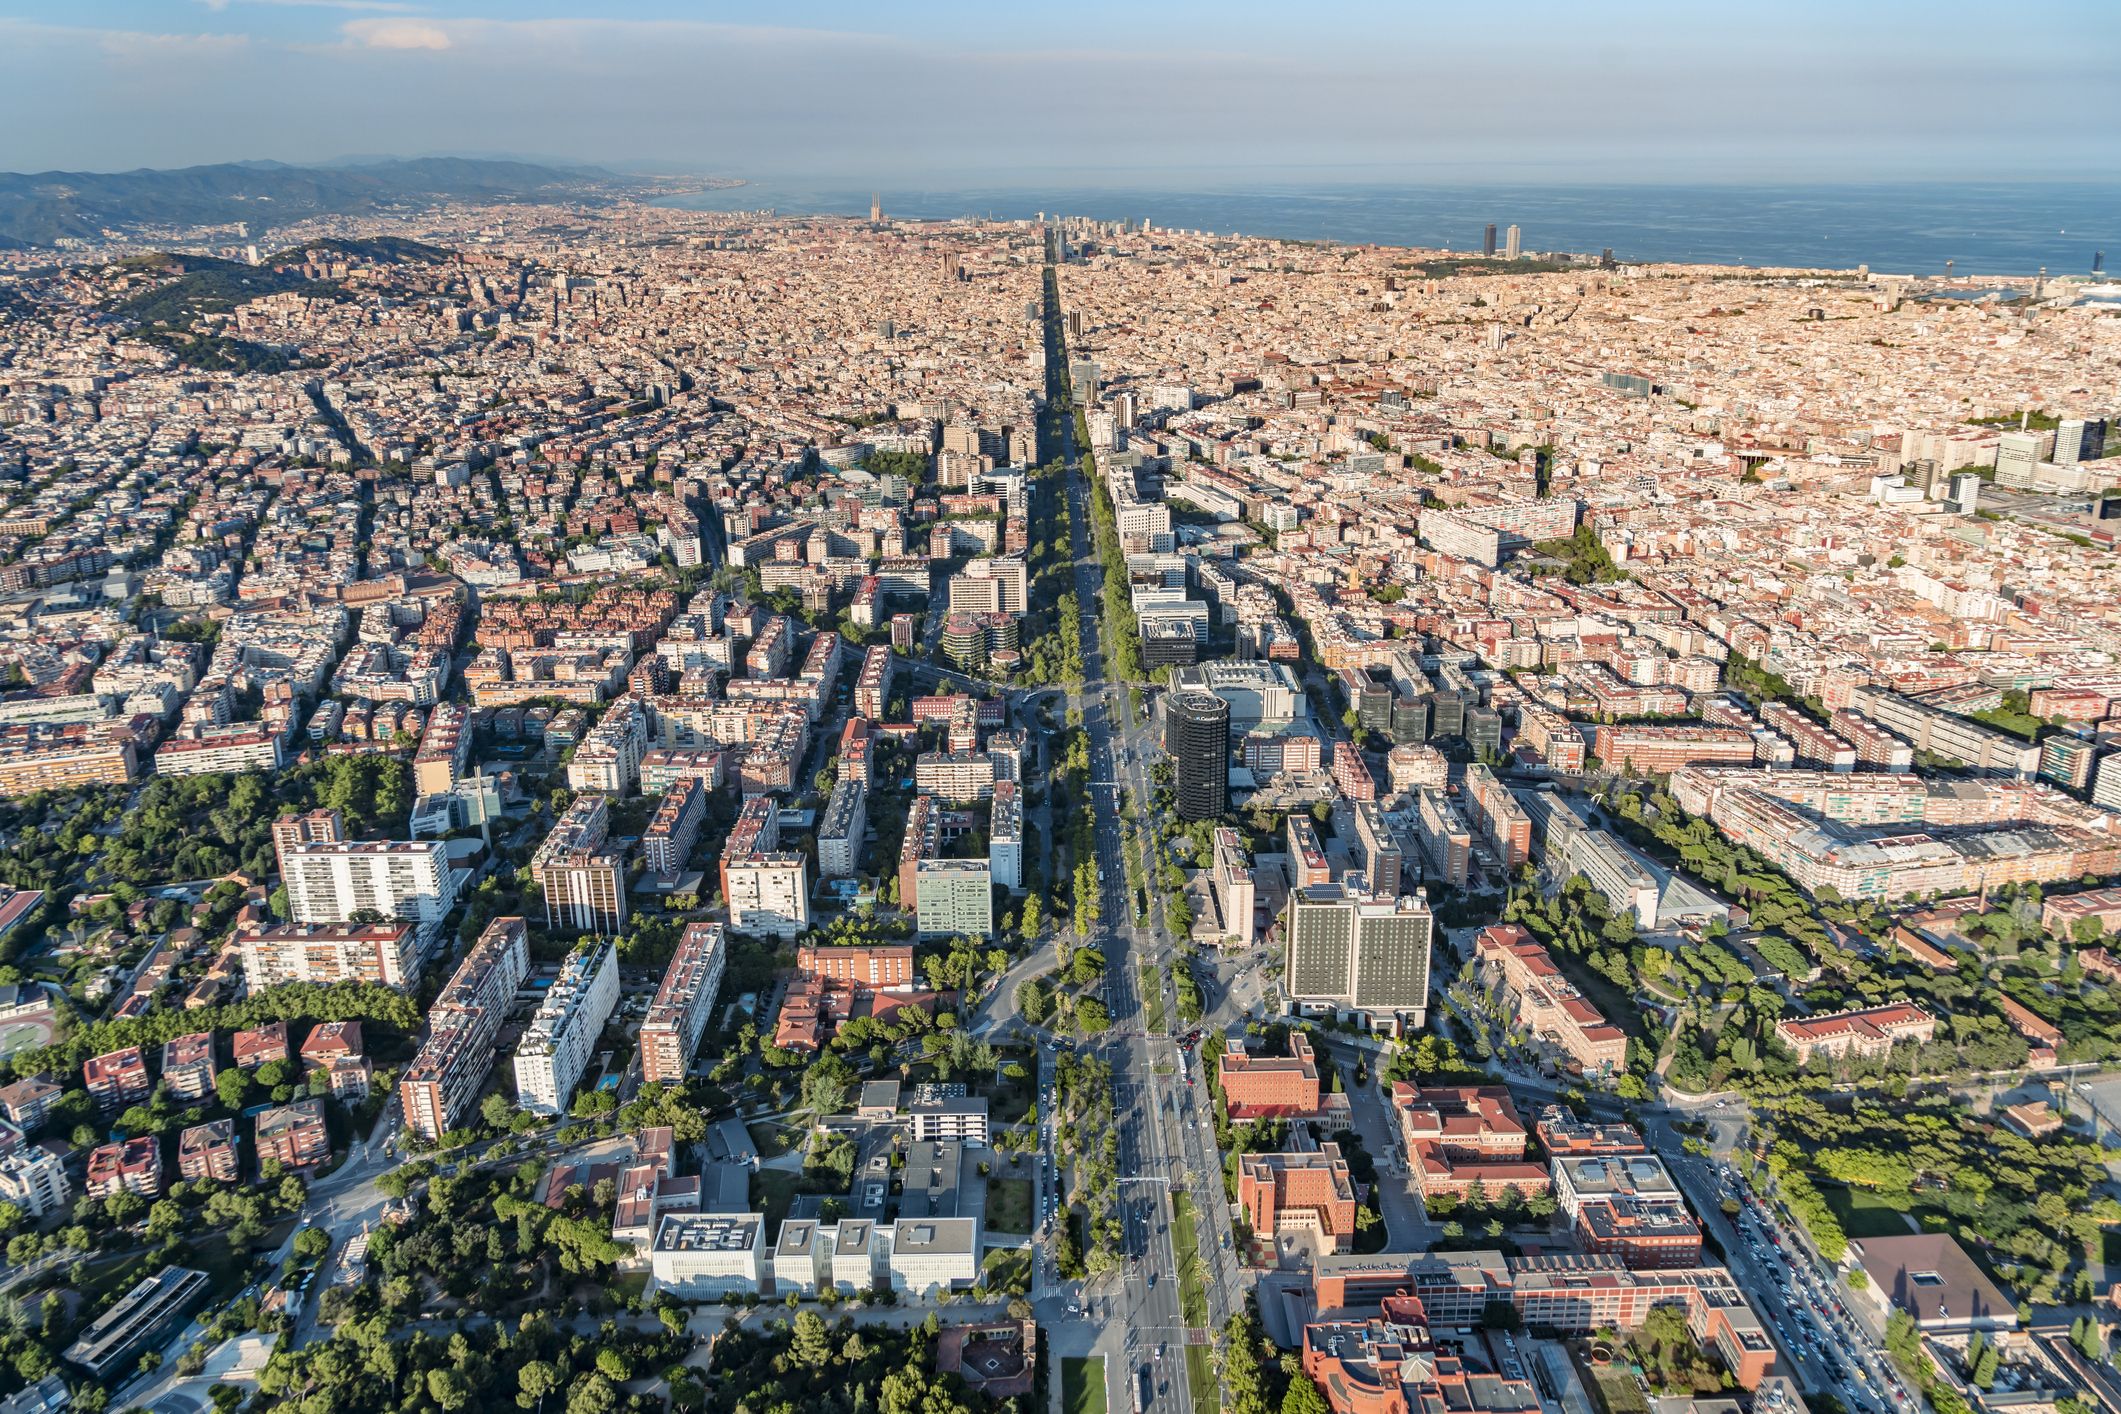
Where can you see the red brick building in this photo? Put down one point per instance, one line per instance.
(1309, 1193)
(1269, 1087)
(1463, 1140)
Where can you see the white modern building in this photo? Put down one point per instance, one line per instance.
(1005, 836)
(703, 1256)
(934, 1254)
(556, 1049)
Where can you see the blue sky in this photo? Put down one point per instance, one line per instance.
(943, 91)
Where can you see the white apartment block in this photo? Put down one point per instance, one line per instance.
(769, 894)
(34, 1181)
(387, 954)
(840, 833)
(408, 879)
(556, 1049)
(609, 758)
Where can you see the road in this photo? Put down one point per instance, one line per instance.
(1166, 1138)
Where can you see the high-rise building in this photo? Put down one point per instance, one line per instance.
(670, 1033)
(314, 827)
(769, 893)
(408, 879)
(953, 898)
(1352, 952)
(876, 207)
(556, 1048)
(585, 890)
(1512, 243)
(444, 1078)
(1197, 738)
(1487, 244)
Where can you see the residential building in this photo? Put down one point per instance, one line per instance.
(207, 1153)
(841, 832)
(405, 879)
(666, 845)
(116, 1079)
(34, 1181)
(585, 891)
(293, 1135)
(684, 1000)
(387, 954)
(188, 1067)
(128, 1166)
(562, 1035)
(443, 1082)
(768, 893)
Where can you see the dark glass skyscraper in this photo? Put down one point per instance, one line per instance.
(1197, 737)
(1487, 247)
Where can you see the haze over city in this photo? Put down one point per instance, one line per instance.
(963, 92)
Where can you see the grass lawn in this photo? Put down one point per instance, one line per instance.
(776, 1192)
(1200, 1378)
(1153, 999)
(1007, 1270)
(1009, 1205)
(1863, 1214)
(1185, 1250)
(1083, 1384)
(630, 1283)
(773, 1139)
(1616, 1391)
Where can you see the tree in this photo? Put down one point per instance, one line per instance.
(592, 1394)
(448, 1388)
(536, 1379)
(312, 1243)
(1302, 1397)
(810, 1344)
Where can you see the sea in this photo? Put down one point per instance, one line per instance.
(1995, 228)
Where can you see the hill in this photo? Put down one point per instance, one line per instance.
(40, 208)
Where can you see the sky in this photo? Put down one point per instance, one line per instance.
(1119, 92)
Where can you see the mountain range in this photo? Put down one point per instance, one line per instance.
(41, 208)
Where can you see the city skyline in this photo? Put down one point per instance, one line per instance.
(1170, 93)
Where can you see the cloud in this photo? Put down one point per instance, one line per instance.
(397, 34)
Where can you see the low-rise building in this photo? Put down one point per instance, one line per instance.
(703, 1256)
